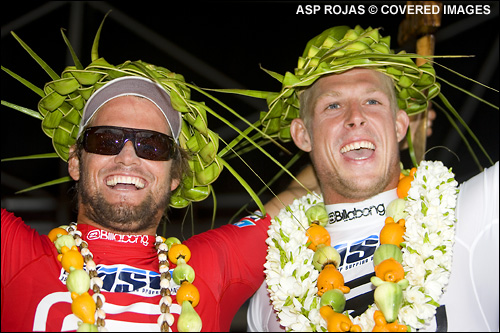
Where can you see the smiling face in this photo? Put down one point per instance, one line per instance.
(352, 133)
(123, 192)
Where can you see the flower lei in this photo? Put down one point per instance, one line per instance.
(427, 253)
(74, 253)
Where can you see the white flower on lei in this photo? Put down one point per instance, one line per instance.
(365, 320)
(427, 252)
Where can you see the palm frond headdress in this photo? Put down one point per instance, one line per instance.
(340, 49)
(63, 100)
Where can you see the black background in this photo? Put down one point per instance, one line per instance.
(216, 45)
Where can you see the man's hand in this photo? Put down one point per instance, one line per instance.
(414, 120)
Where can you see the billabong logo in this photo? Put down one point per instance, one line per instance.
(337, 216)
(106, 235)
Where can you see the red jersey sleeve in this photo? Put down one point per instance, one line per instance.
(20, 245)
(234, 255)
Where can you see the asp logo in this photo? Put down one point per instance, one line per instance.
(337, 216)
(128, 279)
(357, 253)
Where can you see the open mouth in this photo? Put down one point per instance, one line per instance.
(358, 150)
(125, 182)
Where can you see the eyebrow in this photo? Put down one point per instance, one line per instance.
(330, 93)
(339, 93)
(382, 90)
(335, 93)
(326, 94)
(315, 99)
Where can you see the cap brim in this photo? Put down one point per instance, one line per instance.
(135, 86)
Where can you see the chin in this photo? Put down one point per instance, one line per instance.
(123, 213)
(364, 189)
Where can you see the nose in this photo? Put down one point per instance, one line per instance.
(127, 155)
(355, 117)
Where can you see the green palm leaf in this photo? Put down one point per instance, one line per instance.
(63, 99)
(340, 49)
(49, 183)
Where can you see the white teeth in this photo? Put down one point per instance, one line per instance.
(137, 182)
(357, 145)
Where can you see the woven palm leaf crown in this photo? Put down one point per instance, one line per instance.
(64, 98)
(337, 50)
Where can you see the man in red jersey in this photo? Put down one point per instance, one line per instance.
(126, 163)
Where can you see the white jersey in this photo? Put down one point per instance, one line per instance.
(471, 300)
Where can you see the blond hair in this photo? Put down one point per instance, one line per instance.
(306, 105)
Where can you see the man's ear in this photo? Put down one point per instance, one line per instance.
(174, 183)
(300, 135)
(73, 164)
(402, 122)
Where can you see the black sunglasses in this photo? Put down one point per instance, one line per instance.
(109, 140)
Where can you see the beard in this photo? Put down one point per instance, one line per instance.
(122, 217)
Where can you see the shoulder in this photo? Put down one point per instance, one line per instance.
(16, 233)
(484, 181)
(255, 219)
(472, 295)
(20, 244)
(9, 218)
(478, 200)
(251, 229)
(14, 227)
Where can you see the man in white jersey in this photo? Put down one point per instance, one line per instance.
(350, 124)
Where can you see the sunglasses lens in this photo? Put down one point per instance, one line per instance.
(103, 140)
(109, 140)
(153, 146)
